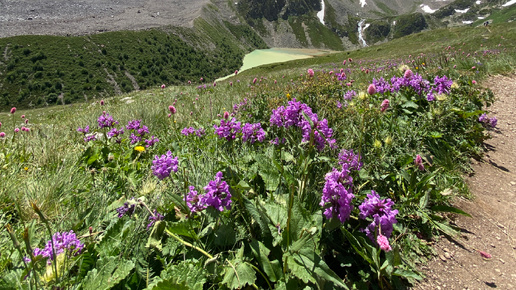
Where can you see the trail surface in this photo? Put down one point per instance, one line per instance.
(492, 228)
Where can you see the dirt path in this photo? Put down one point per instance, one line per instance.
(492, 228)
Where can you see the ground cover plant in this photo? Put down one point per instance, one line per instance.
(327, 175)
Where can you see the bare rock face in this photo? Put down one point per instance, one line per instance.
(78, 17)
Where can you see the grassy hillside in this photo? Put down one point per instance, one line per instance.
(35, 70)
(287, 206)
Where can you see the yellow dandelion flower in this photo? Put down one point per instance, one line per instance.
(26, 168)
(139, 148)
(423, 64)
(288, 96)
(417, 67)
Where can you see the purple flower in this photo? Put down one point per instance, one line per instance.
(154, 218)
(483, 118)
(91, 137)
(193, 200)
(135, 138)
(350, 160)
(217, 194)
(200, 132)
(381, 85)
(490, 122)
(162, 166)
(133, 125)
(384, 217)
(337, 195)
(66, 241)
(253, 133)
(86, 130)
(228, 129)
(442, 85)
(349, 95)
(114, 132)
(151, 141)
(187, 131)
(106, 121)
(126, 209)
(493, 121)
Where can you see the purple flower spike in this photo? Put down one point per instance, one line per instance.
(193, 200)
(162, 166)
(384, 217)
(66, 241)
(253, 133)
(217, 194)
(106, 121)
(154, 218)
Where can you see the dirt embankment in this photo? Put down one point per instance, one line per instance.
(78, 17)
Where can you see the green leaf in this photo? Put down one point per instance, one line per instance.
(237, 274)
(107, 273)
(184, 228)
(423, 202)
(156, 235)
(185, 275)
(444, 208)
(409, 104)
(110, 243)
(356, 245)
(406, 274)
(268, 172)
(261, 253)
(307, 262)
(258, 216)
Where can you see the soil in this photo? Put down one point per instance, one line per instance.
(491, 229)
(79, 17)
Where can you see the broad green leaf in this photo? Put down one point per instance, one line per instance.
(183, 228)
(268, 172)
(444, 208)
(185, 275)
(238, 274)
(107, 273)
(299, 270)
(261, 253)
(110, 243)
(258, 216)
(409, 104)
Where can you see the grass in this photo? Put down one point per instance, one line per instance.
(78, 186)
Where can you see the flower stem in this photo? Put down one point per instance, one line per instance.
(188, 244)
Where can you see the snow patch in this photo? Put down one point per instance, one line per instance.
(394, 23)
(320, 14)
(427, 8)
(478, 2)
(467, 22)
(509, 3)
(481, 17)
(462, 11)
(362, 3)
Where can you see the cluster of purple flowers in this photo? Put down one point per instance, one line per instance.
(87, 136)
(188, 131)
(106, 121)
(162, 166)
(441, 86)
(66, 241)
(127, 209)
(242, 106)
(216, 195)
(349, 95)
(384, 217)
(338, 189)
(138, 131)
(491, 122)
(299, 115)
(253, 133)
(228, 129)
(156, 216)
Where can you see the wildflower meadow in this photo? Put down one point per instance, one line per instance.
(332, 175)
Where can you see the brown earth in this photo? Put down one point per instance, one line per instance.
(459, 264)
(78, 17)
